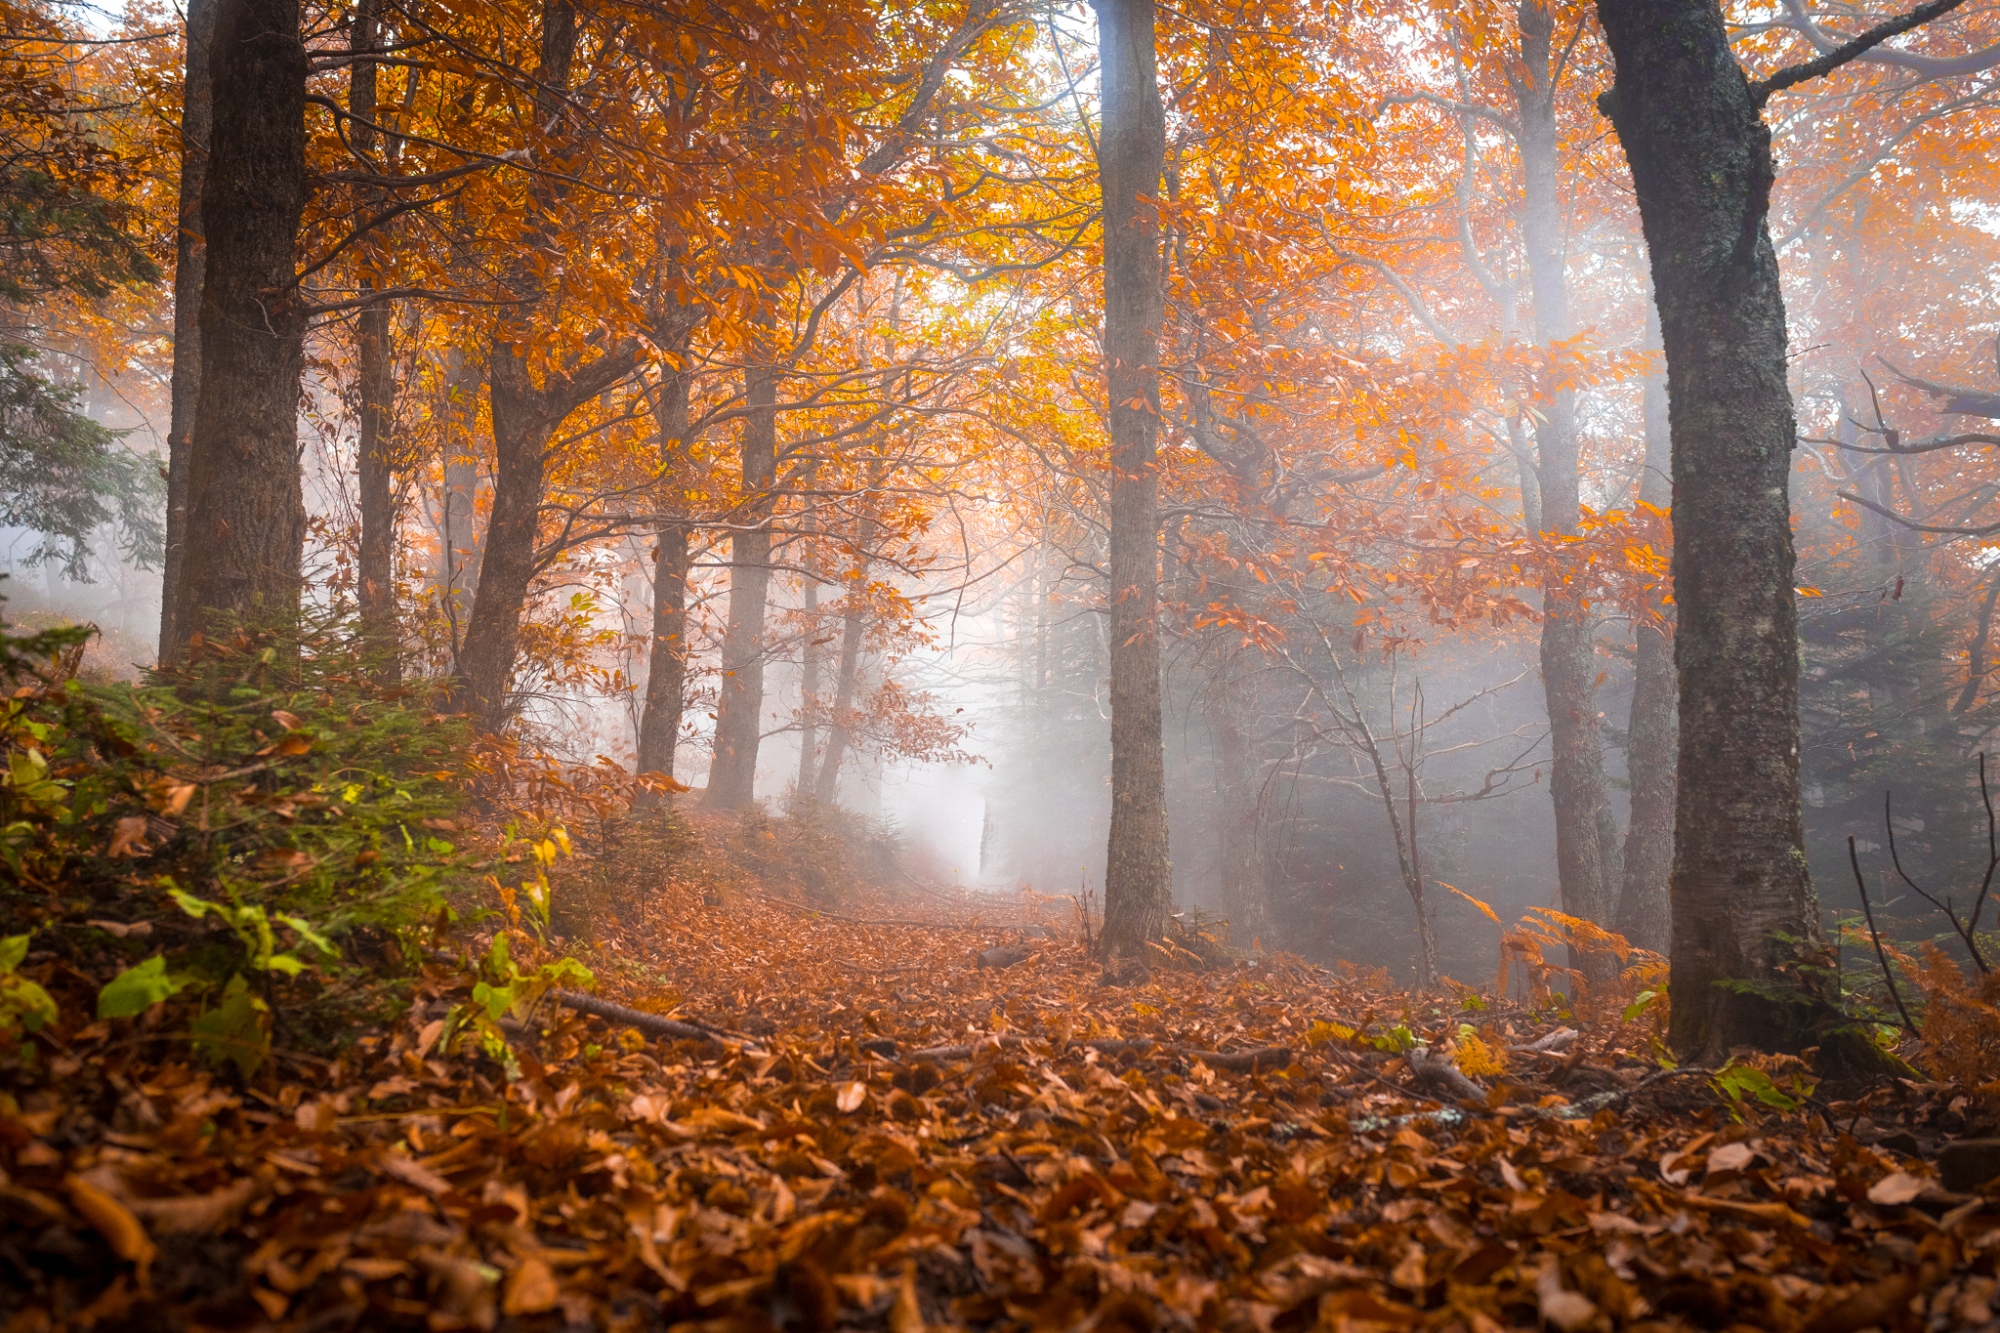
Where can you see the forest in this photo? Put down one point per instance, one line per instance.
(729, 666)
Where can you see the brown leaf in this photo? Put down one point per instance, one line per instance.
(1897, 1188)
(531, 1288)
(197, 1214)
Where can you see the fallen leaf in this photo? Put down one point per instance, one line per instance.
(851, 1096)
(1896, 1188)
(531, 1288)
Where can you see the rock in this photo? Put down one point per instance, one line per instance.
(1968, 1164)
(1005, 955)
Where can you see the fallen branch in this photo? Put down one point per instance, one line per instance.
(1432, 1067)
(1559, 1040)
(650, 1024)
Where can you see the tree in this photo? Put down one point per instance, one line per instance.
(246, 511)
(1138, 886)
(189, 259)
(1747, 951)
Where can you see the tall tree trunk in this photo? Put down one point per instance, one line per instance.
(1643, 915)
(666, 668)
(375, 384)
(521, 429)
(461, 538)
(1569, 665)
(246, 514)
(739, 714)
(808, 693)
(853, 626)
(1242, 889)
(190, 254)
(1138, 883)
(1744, 912)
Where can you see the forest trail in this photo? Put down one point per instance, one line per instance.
(813, 1171)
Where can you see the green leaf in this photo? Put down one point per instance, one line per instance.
(1641, 1004)
(137, 989)
(12, 950)
(238, 1029)
(24, 1006)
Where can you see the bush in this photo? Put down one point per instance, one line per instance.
(263, 830)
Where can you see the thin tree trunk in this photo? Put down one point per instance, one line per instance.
(1242, 887)
(808, 693)
(1744, 913)
(190, 254)
(739, 720)
(1643, 914)
(375, 384)
(246, 514)
(853, 625)
(1568, 653)
(461, 539)
(666, 670)
(1138, 883)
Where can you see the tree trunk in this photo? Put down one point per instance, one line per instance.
(1242, 887)
(1569, 660)
(1643, 914)
(666, 670)
(521, 429)
(739, 714)
(1138, 884)
(1744, 913)
(461, 539)
(190, 254)
(853, 624)
(246, 514)
(808, 693)
(375, 386)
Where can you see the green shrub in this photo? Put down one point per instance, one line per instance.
(269, 822)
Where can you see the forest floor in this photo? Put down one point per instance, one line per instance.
(885, 1134)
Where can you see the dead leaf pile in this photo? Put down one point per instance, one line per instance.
(1066, 1162)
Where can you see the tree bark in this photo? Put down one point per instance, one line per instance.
(190, 254)
(375, 385)
(521, 429)
(853, 625)
(245, 529)
(1138, 884)
(1568, 652)
(666, 670)
(808, 692)
(461, 539)
(1233, 710)
(739, 714)
(1744, 913)
(1643, 913)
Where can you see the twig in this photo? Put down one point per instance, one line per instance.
(1854, 859)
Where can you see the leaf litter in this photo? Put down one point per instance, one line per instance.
(870, 1130)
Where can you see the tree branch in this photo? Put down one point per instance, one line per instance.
(1829, 61)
